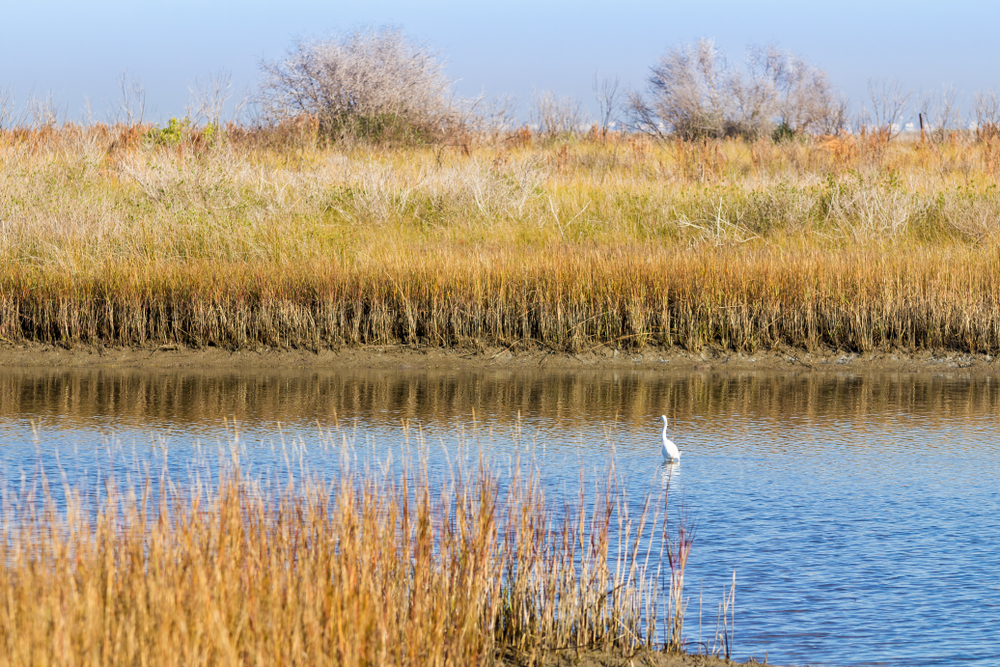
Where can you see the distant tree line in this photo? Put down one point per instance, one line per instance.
(379, 85)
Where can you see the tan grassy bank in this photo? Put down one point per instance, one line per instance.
(117, 236)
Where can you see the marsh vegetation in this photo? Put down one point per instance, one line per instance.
(366, 205)
(126, 235)
(374, 568)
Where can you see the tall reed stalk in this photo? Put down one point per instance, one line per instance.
(572, 301)
(367, 570)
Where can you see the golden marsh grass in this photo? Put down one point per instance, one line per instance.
(368, 570)
(270, 239)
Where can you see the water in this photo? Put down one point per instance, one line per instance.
(861, 514)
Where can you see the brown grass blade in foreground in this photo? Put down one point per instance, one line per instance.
(369, 571)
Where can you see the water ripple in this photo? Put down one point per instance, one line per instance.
(860, 514)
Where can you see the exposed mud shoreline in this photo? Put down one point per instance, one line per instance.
(587, 658)
(416, 358)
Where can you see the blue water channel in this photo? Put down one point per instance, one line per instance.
(859, 513)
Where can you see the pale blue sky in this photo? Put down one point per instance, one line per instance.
(78, 49)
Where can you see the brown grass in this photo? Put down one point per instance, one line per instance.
(371, 570)
(266, 239)
(562, 298)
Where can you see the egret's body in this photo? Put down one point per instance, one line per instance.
(669, 449)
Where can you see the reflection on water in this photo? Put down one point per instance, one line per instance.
(860, 513)
(199, 399)
(668, 473)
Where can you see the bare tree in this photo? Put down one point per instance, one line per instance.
(132, 103)
(642, 116)
(367, 84)
(835, 117)
(694, 93)
(44, 111)
(208, 99)
(495, 116)
(755, 96)
(606, 91)
(554, 115)
(687, 94)
(888, 98)
(987, 109)
(805, 100)
(8, 117)
(939, 114)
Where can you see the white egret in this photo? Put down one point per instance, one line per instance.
(669, 449)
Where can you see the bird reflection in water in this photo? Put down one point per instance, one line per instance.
(667, 473)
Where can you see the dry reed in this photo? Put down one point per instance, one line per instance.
(369, 570)
(863, 300)
(266, 239)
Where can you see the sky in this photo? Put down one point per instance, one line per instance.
(77, 50)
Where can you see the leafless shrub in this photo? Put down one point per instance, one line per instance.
(939, 114)
(784, 87)
(607, 93)
(8, 117)
(493, 193)
(884, 111)
(373, 85)
(720, 226)
(975, 217)
(208, 99)
(555, 116)
(494, 117)
(44, 111)
(868, 206)
(218, 181)
(378, 193)
(694, 93)
(987, 109)
(132, 103)
(688, 96)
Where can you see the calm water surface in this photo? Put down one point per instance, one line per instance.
(861, 514)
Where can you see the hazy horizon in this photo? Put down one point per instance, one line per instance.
(77, 53)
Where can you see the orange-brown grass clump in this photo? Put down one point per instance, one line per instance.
(562, 298)
(368, 571)
(249, 238)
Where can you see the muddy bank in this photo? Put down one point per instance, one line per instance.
(407, 358)
(642, 659)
